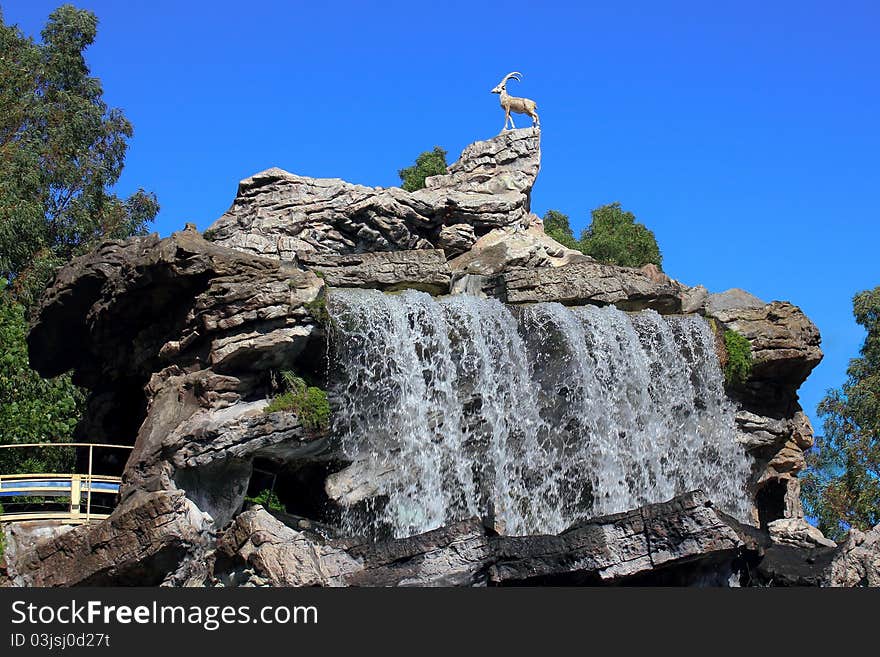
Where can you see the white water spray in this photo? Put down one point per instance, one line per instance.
(544, 414)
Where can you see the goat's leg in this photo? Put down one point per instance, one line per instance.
(535, 120)
(506, 119)
(512, 124)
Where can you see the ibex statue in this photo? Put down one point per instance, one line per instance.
(513, 104)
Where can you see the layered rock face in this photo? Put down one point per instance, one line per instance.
(180, 341)
(785, 349)
(283, 215)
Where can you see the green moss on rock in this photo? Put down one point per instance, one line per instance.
(318, 310)
(267, 499)
(739, 358)
(308, 402)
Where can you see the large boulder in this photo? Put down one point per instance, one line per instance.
(858, 561)
(589, 282)
(131, 307)
(149, 538)
(785, 343)
(797, 532)
(258, 549)
(503, 249)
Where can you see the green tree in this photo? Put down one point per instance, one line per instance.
(841, 487)
(32, 409)
(615, 237)
(61, 151)
(429, 163)
(556, 225)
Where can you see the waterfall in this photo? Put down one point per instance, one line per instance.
(543, 415)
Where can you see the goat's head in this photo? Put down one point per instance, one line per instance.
(516, 75)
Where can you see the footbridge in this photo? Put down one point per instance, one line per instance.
(66, 498)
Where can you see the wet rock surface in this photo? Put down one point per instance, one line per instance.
(607, 550)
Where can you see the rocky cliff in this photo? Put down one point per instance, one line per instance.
(180, 341)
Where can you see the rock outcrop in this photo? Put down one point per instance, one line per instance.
(180, 339)
(591, 283)
(798, 533)
(659, 538)
(424, 269)
(501, 250)
(279, 214)
(785, 343)
(773, 427)
(858, 561)
(149, 539)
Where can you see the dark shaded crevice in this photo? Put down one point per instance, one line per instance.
(299, 488)
(770, 502)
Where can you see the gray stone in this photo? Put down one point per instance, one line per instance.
(281, 556)
(504, 249)
(606, 549)
(424, 269)
(798, 533)
(591, 283)
(129, 308)
(758, 432)
(857, 563)
(286, 216)
(456, 239)
(785, 343)
(731, 300)
(693, 298)
(150, 535)
(357, 482)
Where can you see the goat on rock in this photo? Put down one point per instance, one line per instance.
(513, 104)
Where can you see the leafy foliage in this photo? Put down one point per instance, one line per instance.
(557, 226)
(32, 409)
(61, 150)
(841, 488)
(268, 499)
(429, 163)
(317, 308)
(308, 402)
(739, 359)
(613, 237)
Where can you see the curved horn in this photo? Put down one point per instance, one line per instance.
(516, 75)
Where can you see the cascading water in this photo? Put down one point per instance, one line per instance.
(544, 414)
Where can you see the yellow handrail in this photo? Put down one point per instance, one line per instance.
(66, 445)
(47, 475)
(67, 517)
(78, 484)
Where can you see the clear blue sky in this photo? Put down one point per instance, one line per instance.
(744, 134)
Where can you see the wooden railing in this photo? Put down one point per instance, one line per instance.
(73, 487)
